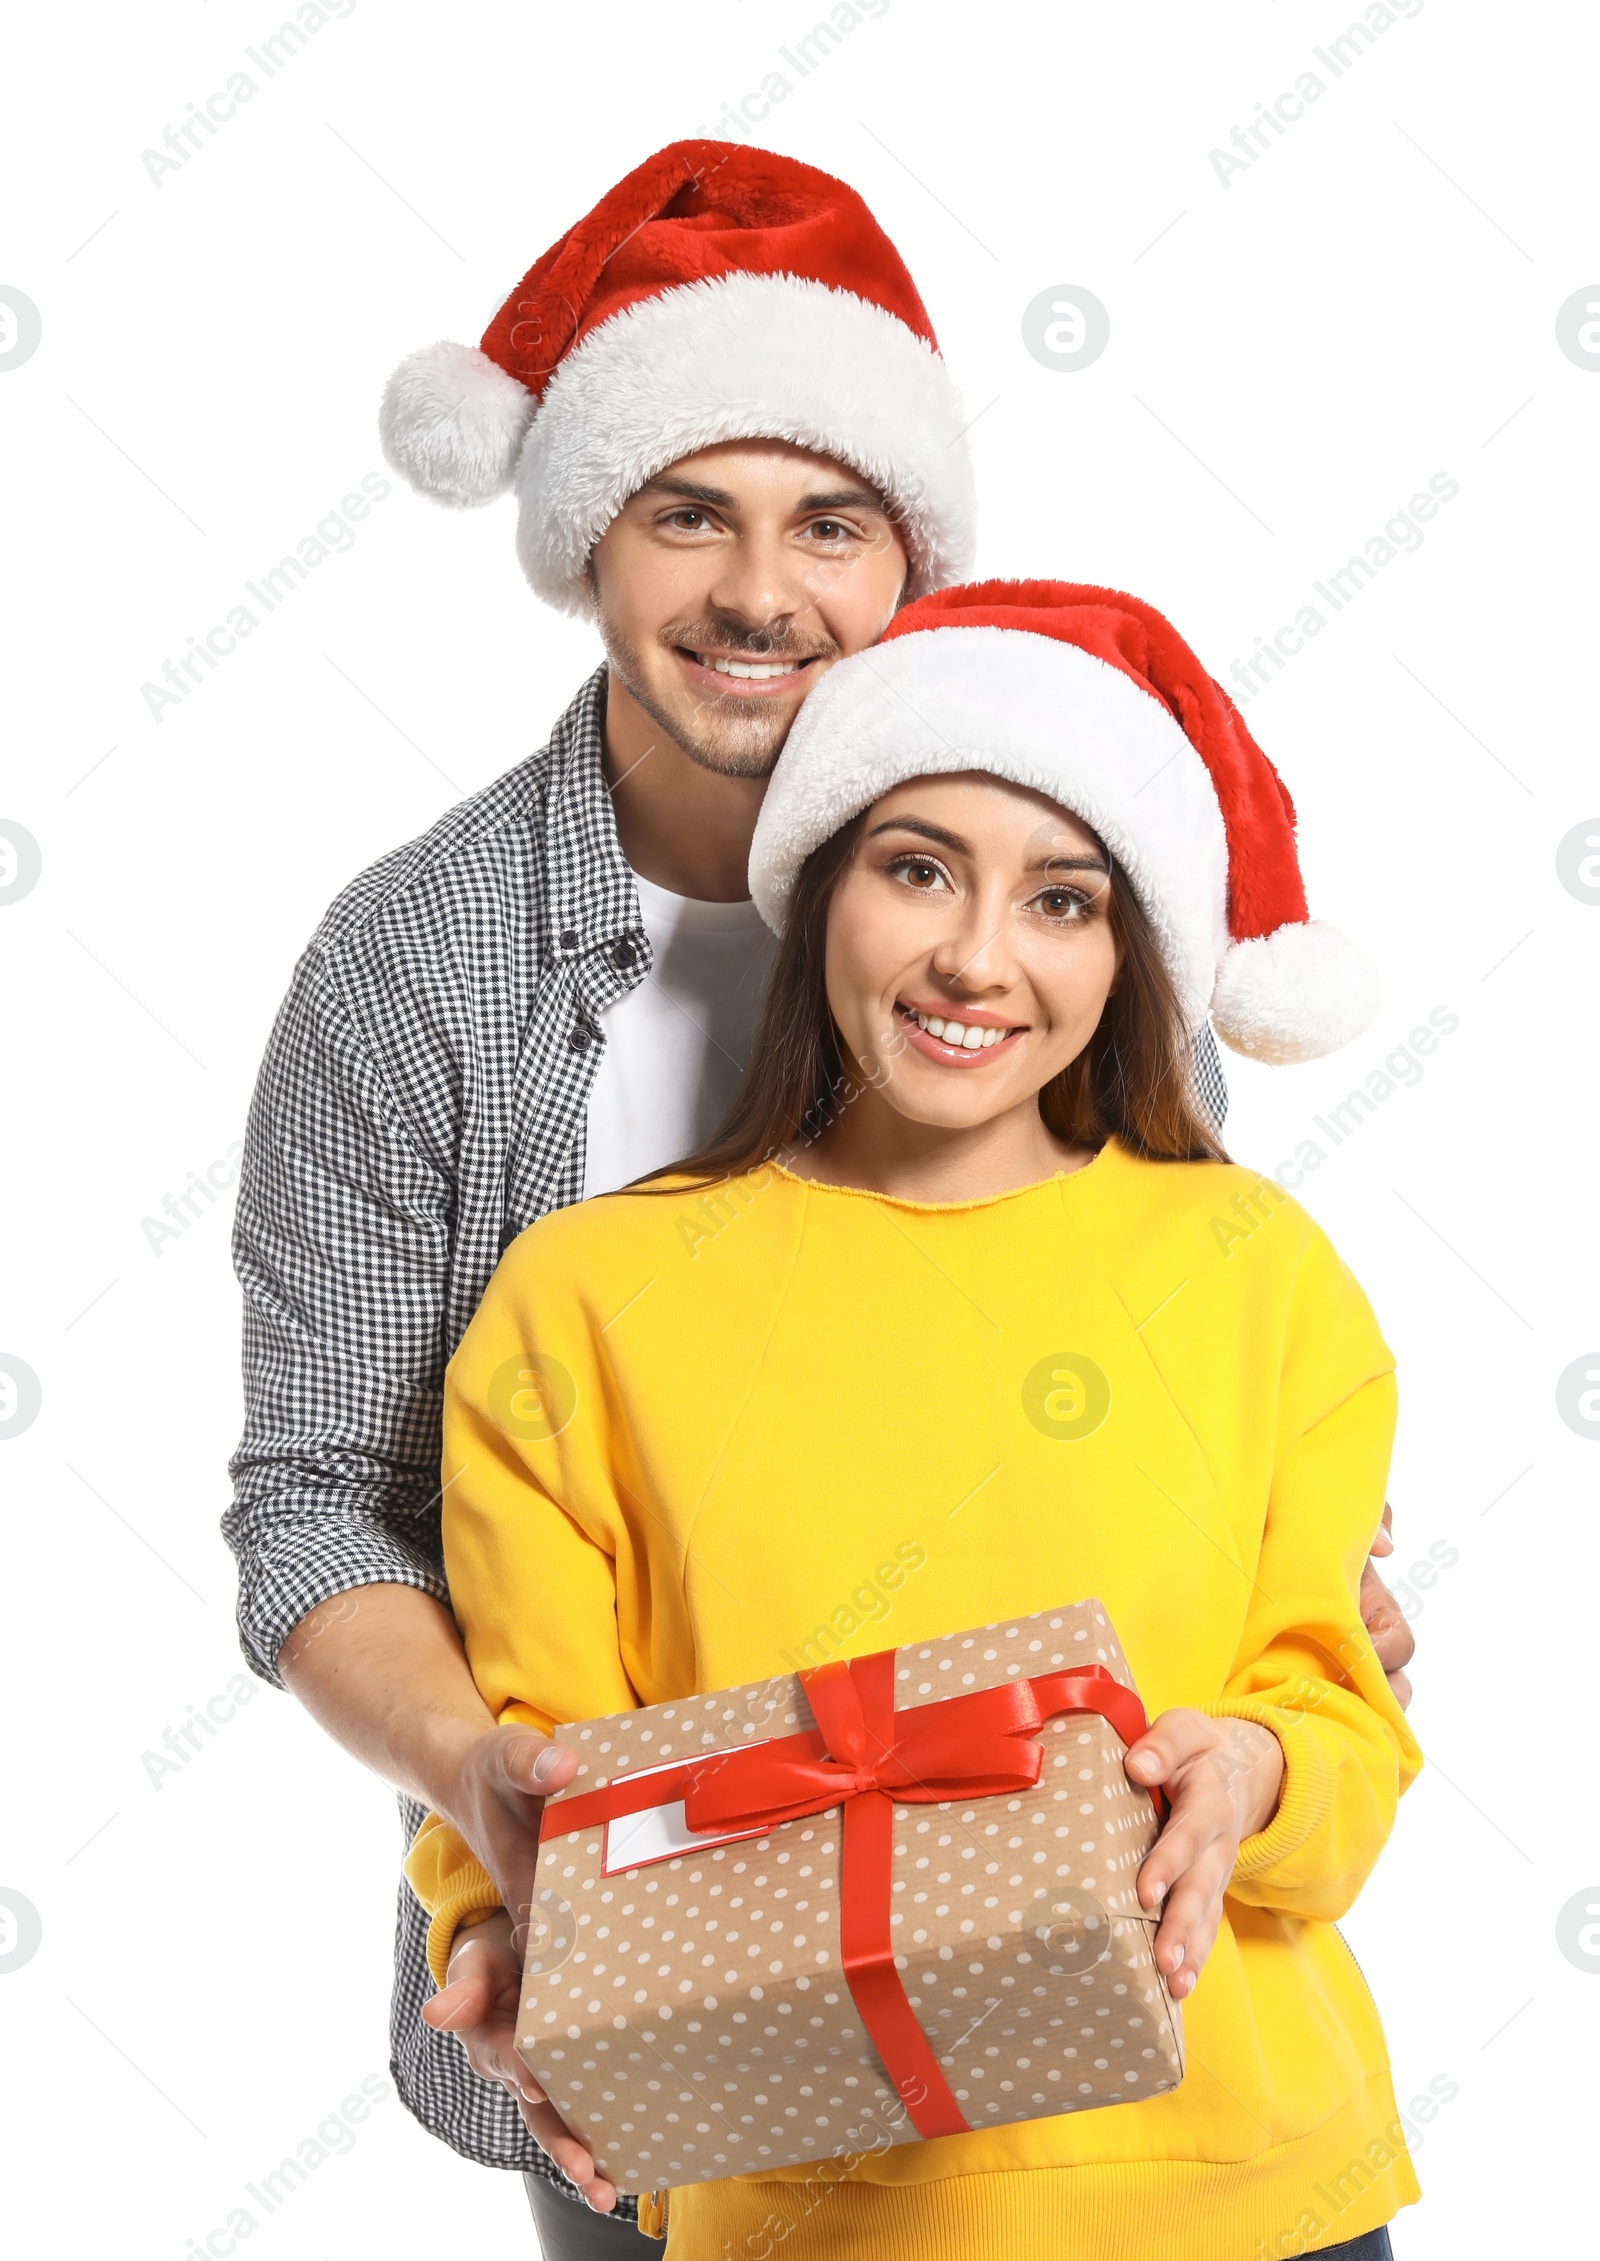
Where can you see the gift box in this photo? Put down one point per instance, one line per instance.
(881, 1901)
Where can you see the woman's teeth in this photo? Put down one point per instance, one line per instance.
(758, 670)
(959, 1033)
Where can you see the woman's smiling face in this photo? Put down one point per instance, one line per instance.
(970, 949)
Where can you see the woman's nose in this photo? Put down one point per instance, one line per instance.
(976, 952)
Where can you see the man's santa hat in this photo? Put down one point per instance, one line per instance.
(1095, 700)
(718, 293)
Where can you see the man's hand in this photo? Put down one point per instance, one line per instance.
(383, 1670)
(1223, 1777)
(479, 2006)
(1393, 1643)
(495, 1796)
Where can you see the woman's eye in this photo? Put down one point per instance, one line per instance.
(1063, 903)
(918, 871)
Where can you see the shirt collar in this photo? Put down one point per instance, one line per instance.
(590, 890)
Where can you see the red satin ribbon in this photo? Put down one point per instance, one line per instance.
(867, 1758)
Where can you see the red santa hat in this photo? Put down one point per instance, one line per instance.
(1094, 699)
(719, 292)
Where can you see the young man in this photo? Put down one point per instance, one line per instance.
(734, 445)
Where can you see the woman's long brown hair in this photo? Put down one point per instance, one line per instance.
(1131, 1082)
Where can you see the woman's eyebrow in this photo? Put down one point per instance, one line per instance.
(1052, 860)
(1087, 861)
(951, 840)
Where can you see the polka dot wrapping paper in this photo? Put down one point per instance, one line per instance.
(685, 2003)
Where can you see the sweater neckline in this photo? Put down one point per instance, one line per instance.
(1058, 1178)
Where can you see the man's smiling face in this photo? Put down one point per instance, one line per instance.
(731, 582)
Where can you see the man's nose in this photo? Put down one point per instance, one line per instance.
(761, 584)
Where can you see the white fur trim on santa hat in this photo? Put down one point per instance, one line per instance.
(740, 357)
(1294, 994)
(1039, 712)
(453, 423)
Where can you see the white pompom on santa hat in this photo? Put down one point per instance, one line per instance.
(1093, 699)
(719, 292)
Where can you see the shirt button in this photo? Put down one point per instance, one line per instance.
(580, 1039)
(568, 938)
(624, 954)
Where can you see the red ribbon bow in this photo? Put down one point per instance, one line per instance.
(867, 1758)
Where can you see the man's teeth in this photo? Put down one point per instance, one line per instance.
(959, 1033)
(758, 670)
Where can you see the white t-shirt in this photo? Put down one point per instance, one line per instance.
(676, 1045)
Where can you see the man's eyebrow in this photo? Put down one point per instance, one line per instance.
(718, 498)
(689, 490)
(843, 498)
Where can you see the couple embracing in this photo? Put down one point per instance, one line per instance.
(798, 1058)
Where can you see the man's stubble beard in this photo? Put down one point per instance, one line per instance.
(735, 739)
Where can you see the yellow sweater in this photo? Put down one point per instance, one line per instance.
(696, 1439)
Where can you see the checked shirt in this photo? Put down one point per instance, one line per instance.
(421, 1102)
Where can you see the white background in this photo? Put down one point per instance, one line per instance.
(1292, 356)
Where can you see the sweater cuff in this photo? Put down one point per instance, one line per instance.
(451, 1882)
(1306, 1798)
(472, 1896)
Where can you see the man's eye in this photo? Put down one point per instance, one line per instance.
(688, 521)
(829, 529)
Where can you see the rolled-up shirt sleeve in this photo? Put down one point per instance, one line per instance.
(341, 1245)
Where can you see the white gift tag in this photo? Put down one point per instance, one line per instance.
(660, 1833)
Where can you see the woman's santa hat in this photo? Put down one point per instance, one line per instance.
(1095, 700)
(718, 293)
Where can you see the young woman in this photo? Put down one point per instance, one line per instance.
(967, 1268)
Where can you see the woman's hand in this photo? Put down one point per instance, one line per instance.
(1393, 1642)
(479, 2006)
(1223, 1777)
